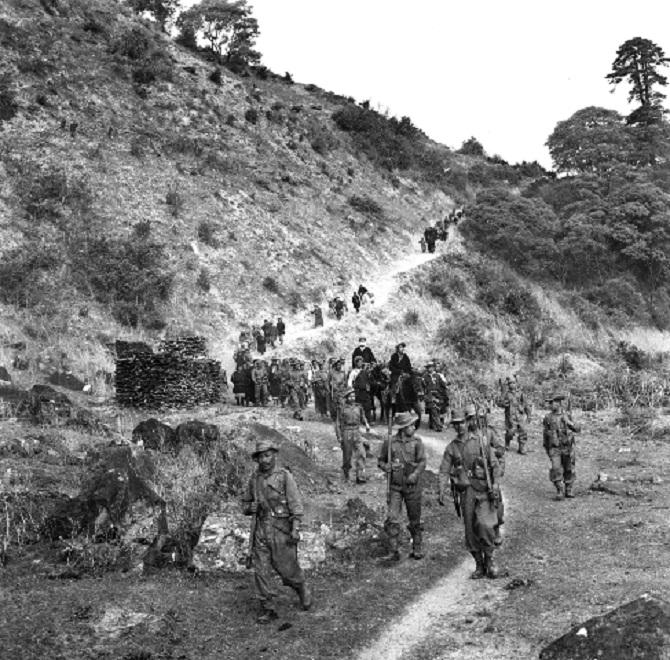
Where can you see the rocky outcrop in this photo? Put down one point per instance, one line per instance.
(638, 630)
(198, 435)
(153, 434)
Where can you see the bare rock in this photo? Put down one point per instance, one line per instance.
(4, 376)
(67, 380)
(638, 630)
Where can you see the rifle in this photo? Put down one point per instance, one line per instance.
(252, 531)
(456, 496)
(389, 414)
(492, 517)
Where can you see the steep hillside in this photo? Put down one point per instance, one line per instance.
(234, 198)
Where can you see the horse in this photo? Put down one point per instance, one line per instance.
(407, 395)
(380, 377)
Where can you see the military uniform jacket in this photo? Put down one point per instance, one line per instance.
(365, 352)
(515, 406)
(558, 432)
(408, 456)
(338, 382)
(467, 455)
(277, 496)
(259, 375)
(352, 415)
(433, 388)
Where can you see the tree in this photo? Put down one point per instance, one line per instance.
(227, 25)
(593, 140)
(472, 147)
(162, 10)
(638, 61)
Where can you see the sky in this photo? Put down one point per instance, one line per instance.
(504, 72)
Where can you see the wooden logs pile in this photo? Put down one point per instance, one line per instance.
(179, 376)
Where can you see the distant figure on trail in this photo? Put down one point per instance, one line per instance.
(430, 234)
(281, 330)
(422, 243)
(517, 414)
(363, 351)
(339, 307)
(318, 316)
(356, 301)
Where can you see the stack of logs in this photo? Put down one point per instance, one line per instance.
(178, 376)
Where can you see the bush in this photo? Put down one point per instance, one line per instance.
(207, 234)
(134, 43)
(8, 105)
(152, 62)
(215, 76)
(270, 284)
(472, 147)
(24, 272)
(142, 229)
(203, 280)
(251, 115)
(411, 318)
(503, 293)
(469, 338)
(174, 199)
(131, 276)
(367, 206)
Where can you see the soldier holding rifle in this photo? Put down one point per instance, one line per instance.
(272, 498)
(403, 458)
(471, 464)
(559, 443)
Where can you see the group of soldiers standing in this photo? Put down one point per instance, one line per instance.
(439, 231)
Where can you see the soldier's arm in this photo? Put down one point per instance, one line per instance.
(445, 471)
(363, 418)
(419, 458)
(382, 463)
(495, 467)
(575, 428)
(293, 499)
(248, 503)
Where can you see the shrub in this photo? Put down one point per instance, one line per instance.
(294, 300)
(142, 229)
(215, 76)
(411, 317)
(207, 234)
(134, 43)
(270, 284)
(503, 293)
(8, 105)
(367, 206)
(174, 199)
(23, 272)
(129, 275)
(203, 280)
(230, 120)
(469, 338)
(251, 115)
(472, 147)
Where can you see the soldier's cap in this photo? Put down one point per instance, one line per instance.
(362, 339)
(264, 445)
(403, 420)
(348, 392)
(402, 343)
(457, 416)
(470, 410)
(556, 396)
(358, 358)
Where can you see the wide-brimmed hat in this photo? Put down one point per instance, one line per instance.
(470, 410)
(457, 416)
(264, 445)
(360, 339)
(403, 420)
(402, 343)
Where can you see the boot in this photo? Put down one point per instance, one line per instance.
(490, 566)
(394, 553)
(568, 491)
(479, 571)
(266, 614)
(305, 596)
(345, 475)
(417, 550)
(559, 490)
(498, 539)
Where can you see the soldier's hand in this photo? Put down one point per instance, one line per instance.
(411, 479)
(440, 499)
(294, 538)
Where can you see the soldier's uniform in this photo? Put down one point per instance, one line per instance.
(349, 419)
(281, 330)
(517, 413)
(320, 390)
(463, 462)
(408, 461)
(559, 443)
(432, 386)
(259, 376)
(279, 514)
(337, 386)
(239, 386)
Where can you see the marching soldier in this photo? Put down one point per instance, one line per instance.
(337, 385)
(350, 416)
(403, 458)
(259, 376)
(470, 469)
(559, 443)
(272, 496)
(432, 385)
(517, 415)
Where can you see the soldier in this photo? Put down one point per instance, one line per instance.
(339, 307)
(359, 380)
(268, 333)
(404, 461)
(517, 415)
(241, 354)
(337, 385)
(259, 376)
(318, 316)
(274, 381)
(559, 443)
(239, 386)
(320, 388)
(272, 496)
(431, 387)
(477, 422)
(281, 330)
(464, 469)
(260, 340)
(363, 351)
(349, 418)
(430, 234)
(399, 364)
(356, 301)
(422, 243)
